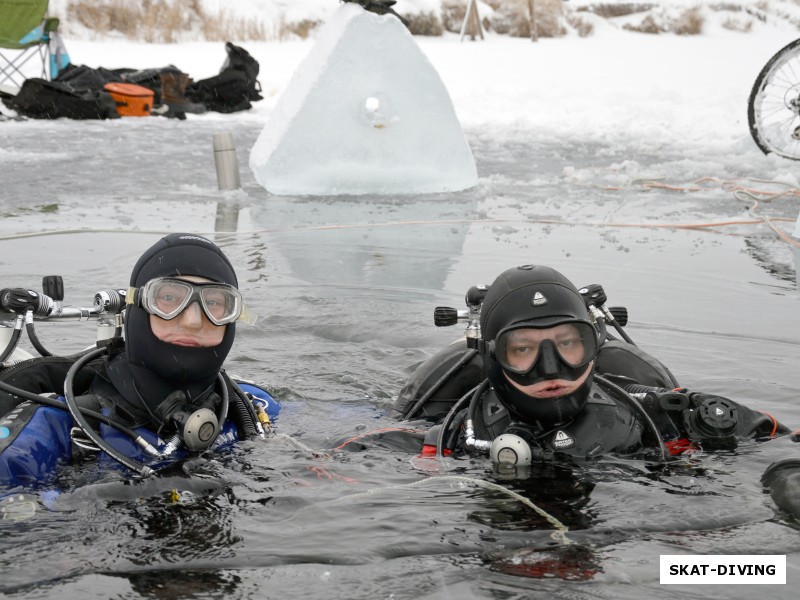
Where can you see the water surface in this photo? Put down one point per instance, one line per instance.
(345, 288)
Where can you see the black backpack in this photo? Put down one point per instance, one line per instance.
(81, 77)
(235, 86)
(42, 99)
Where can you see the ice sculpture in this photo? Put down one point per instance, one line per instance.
(365, 113)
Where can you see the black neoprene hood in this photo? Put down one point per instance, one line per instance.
(530, 294)
(178, 254)
(533, 296)
(183, 254)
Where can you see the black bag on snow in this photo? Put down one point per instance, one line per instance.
(235, 86)
(80, 77)
(42, 99)
(149, 78)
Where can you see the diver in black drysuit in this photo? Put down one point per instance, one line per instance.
(552, 395)
(180, 323)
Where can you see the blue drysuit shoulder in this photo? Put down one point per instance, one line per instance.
(33, 440)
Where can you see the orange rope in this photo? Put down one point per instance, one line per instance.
(373, 432)
(733, 186)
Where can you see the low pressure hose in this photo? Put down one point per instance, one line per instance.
(77, 414)
(29, 327)
(470, 396)
(638, 388)
(469, 427)
(12, 343)
(639, 409)
(47, 401)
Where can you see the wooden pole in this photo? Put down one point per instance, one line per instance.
(532, 12)
(472, 22)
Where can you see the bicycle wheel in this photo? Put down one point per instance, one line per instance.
(773, 110)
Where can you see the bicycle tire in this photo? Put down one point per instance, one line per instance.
(773, 108)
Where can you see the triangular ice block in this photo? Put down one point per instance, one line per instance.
(365, 113)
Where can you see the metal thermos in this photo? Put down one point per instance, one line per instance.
(226, 162)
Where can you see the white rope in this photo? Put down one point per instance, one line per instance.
(559, 535)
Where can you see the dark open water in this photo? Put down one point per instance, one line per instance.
(345, 288)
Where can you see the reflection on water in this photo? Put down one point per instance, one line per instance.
(345, 290)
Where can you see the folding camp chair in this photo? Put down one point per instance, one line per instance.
(25, 34)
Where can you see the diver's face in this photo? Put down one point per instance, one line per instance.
(191, 327)
(547, 362)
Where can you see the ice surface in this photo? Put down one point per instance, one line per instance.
(365, 113)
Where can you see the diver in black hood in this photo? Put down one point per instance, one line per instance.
(546, 382)
(155, 396)
(180, 322)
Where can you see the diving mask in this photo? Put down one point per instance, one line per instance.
(167, 297)
(559, 351)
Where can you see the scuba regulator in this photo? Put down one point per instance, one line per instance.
(517, 446)
(196, 423)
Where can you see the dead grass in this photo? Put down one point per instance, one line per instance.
(426, 23)
(301, 29)
(227, 26)
(513, 17)
(740, 25)
(162, 21)
(583, 27)
(646, 25)
(609, 10)
(690, 22)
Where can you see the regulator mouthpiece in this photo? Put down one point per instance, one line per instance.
(198, 427)
(510, 449)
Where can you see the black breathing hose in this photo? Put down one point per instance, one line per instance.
(631, 401)
(638, 388)
(222, 415)
(45, 401)
(245, 416)
(473, 403)
(87, 429)
(470, 396)
(29, 327)
(12, 343)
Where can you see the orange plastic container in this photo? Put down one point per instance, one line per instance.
(132, 100)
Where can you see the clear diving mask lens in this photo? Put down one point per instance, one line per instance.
(167, 297)
(529, 353)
